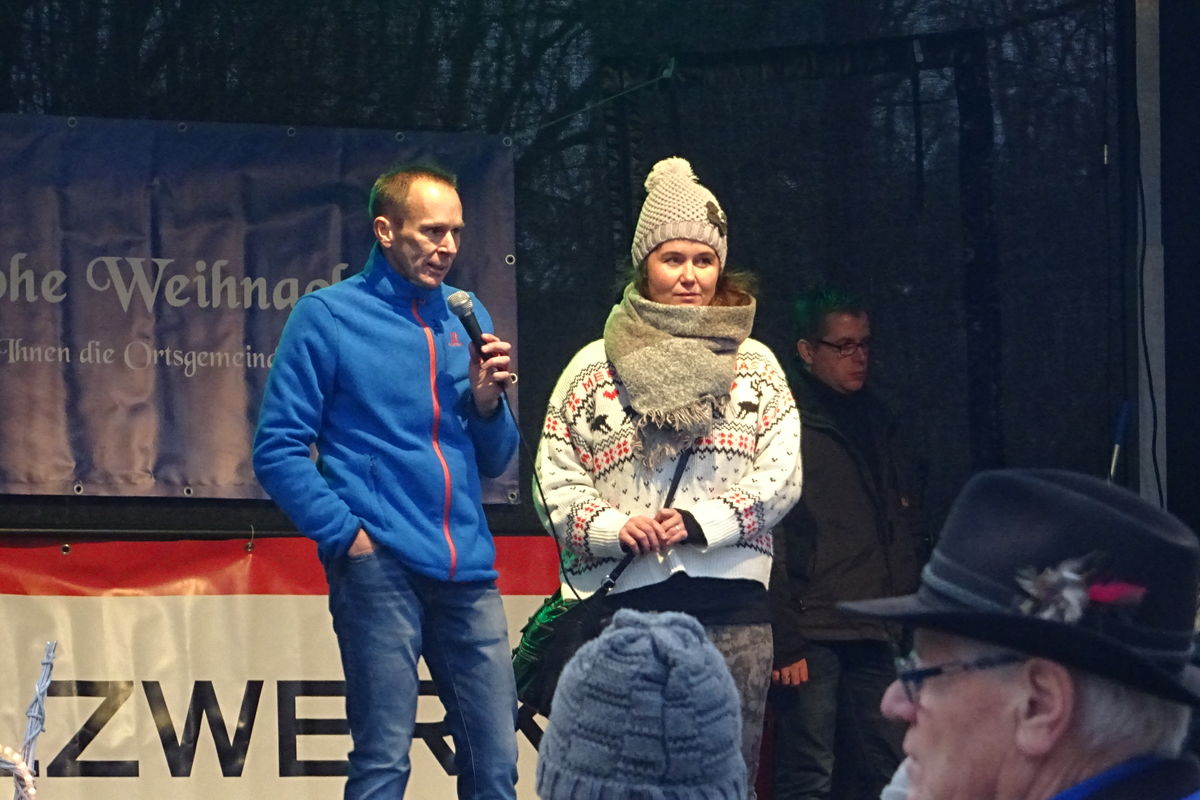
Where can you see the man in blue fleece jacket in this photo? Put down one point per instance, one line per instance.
(404, 416)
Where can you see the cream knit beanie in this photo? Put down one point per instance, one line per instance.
(678, 207)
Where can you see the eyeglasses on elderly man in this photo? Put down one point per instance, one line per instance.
(912, 674)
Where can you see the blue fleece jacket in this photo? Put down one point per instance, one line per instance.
(373, 372)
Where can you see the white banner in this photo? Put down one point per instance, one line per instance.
(161, 694)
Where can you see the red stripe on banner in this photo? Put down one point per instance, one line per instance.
(185, 567)
(41, 566)
(527, 564)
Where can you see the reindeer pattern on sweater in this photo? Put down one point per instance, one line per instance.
(742, 477)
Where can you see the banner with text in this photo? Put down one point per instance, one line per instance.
(194, 670)
(146, 272)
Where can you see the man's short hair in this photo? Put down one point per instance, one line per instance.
(814, 306)
(389, 195)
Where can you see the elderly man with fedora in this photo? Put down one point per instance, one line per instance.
(1052, 642)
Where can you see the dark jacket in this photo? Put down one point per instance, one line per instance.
(856, 532)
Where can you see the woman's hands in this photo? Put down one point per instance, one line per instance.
(642, 534)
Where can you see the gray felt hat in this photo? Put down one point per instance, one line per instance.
(1064, 566)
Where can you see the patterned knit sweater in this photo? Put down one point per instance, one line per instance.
(741, 479)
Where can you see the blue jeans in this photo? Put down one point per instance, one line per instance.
(386, 617)
(831, 740)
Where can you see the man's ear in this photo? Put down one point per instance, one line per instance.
(384, 231)
(1048, 706)
(805, 349)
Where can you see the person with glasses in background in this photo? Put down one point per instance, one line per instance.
(854, 535)
(1052, 649)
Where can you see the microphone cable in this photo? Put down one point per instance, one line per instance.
(537, 485)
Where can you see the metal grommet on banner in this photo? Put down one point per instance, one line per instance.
(65, 549)
(77, 488)
(187, 491)
(507, 141)
(72, 122)
(514, 497)
(182, 127)
(250, 544)
(399, 137)
(510, 259)
(291, 131)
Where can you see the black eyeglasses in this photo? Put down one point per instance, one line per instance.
(846, 349)
(911, 675)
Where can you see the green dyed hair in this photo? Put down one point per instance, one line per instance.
(812, 308)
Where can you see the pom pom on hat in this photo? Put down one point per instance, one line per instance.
(673, 168)
(646, 710)
(677, 206)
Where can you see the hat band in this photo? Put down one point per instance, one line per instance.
(962, 586)
(952, 585)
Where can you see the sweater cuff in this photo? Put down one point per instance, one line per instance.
(695, 533)
(788, 656)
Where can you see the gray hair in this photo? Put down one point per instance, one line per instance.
(1117, 718)
(1112, 717)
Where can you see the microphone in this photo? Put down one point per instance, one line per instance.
(461, 306)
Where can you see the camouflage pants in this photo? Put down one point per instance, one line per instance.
(748, 651)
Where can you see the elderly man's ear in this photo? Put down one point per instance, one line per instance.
(1047, 706)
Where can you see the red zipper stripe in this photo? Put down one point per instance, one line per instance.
(437, 446)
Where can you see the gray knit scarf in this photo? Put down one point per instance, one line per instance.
(677, 364)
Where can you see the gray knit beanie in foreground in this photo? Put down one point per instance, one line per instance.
(678, 207)
(646, 711)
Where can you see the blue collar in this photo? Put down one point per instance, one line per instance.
(1111, 775)
(385, 281)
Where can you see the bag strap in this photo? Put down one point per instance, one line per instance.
(679, 465)
(610, 580)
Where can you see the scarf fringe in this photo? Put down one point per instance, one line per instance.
(693, 414)
(674, 429)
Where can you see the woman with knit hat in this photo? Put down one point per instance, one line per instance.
(676, 377)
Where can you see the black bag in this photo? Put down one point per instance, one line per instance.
(548, 640)
(562, 625)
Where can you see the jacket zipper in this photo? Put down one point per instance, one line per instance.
(437, 446)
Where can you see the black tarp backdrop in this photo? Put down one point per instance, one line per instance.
(836, 176)
(998, 319)
(1180, 64)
